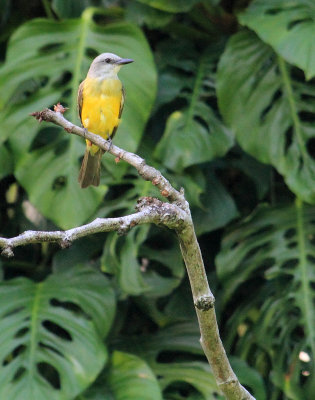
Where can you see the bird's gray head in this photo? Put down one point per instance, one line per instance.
(107, 65)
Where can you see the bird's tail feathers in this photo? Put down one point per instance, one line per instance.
(90, 169)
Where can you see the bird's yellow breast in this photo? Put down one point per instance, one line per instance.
(101, 105)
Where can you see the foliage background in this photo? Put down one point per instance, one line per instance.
(221, 98)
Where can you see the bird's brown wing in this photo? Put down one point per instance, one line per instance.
(122, 102)
(80, 99)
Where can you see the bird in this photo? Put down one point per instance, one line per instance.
(101, 98)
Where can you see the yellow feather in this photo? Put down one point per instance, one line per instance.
(101, 107)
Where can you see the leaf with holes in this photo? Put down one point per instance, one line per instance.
(289, 27)
(177, 338)
(45, 62)
(271, 109)
(194, 134)
(268, 260)
(51, 339)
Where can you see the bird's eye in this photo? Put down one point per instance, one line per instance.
(107, 60)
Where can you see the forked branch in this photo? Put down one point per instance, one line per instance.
(175, 215)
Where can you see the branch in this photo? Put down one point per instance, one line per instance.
(149, 210)
(175, 216)
(147, 172)
(204, 304)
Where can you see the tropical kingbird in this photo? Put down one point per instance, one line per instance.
(100, 101)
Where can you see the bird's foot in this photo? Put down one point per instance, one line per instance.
(85, 131)
(109, 140)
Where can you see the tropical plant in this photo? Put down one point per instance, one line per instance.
(221, 99)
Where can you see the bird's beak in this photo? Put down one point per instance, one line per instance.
(123, 61)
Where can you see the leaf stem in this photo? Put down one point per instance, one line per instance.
(34, 331)
(47, 9)
(292, 103)
(306, 303)
(195, 93)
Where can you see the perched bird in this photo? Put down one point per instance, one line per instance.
(100, 101)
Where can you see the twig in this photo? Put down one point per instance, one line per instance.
(175, 216)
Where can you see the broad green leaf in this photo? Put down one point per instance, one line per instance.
(55, 191)
(288, 26)
(273, 251)
(51, 340)
(270, 109)
(196, 374)
(178, 337)
(194, 134)
(45, 62)
(163, 271)
(130, 277)
(127, 378)
(171, 6)
(142, 14)
(6, 162)
(70, 8)
(217, 209)
(120, 257)
(131, 378)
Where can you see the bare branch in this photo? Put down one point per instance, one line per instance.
(147, 172)
(204, 304)
(150, 210)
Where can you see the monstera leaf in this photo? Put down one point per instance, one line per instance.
(269, 258)
(51, 339)
(182, 339)
(271, 109)
(193, 134)
(288, 26)
(45, 62)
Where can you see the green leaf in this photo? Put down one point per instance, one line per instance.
(69, 8)
(181, 337)
(194, 134)
(270, 109)
(178, 337)
(141, 269)
(120, 257)
(218, 208)
(52, 334)
(56, 192)
(128, 377)
(142, 14)
(196, 374)
(289, 27)
(274, 251)
(131, 378)
(46, 60)
(130, 277)
(171, 6)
